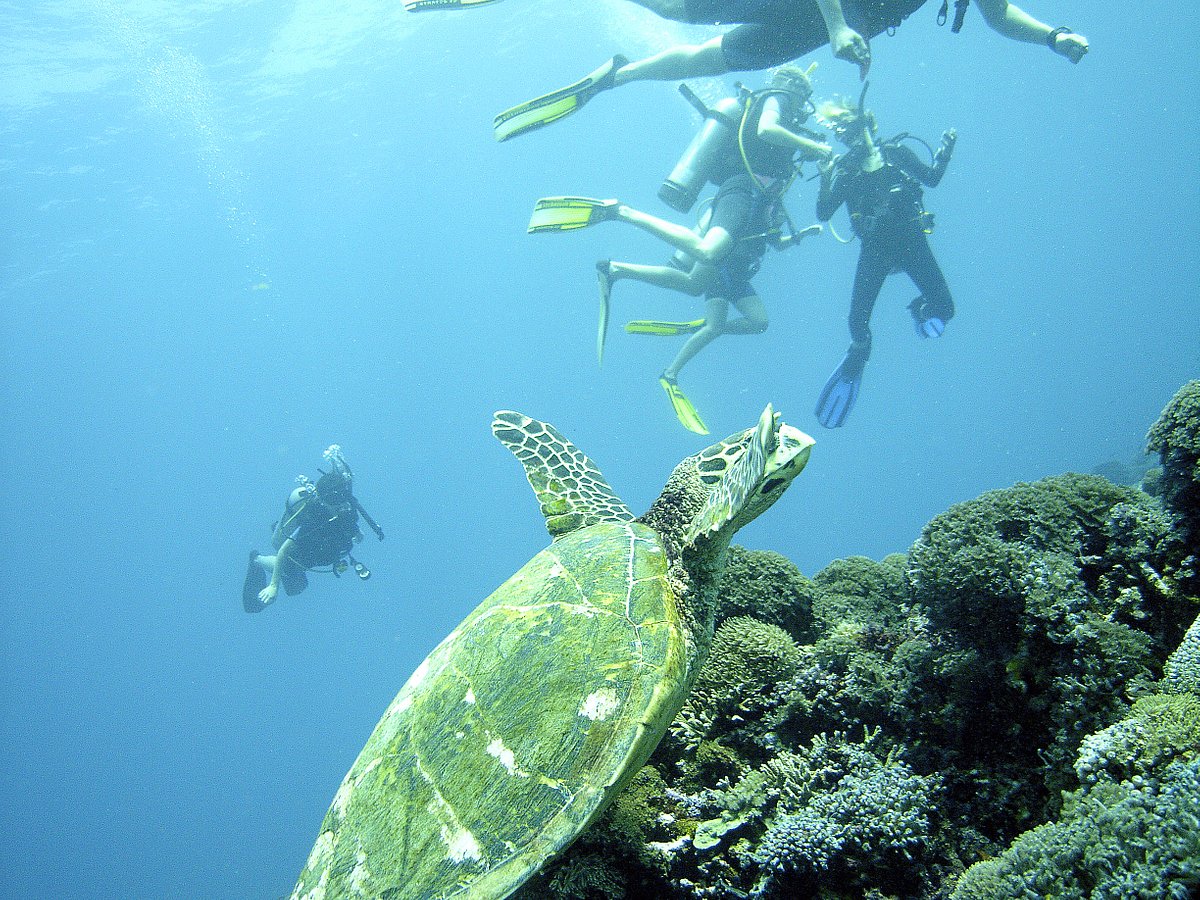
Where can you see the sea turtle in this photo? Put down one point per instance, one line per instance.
(528, 719)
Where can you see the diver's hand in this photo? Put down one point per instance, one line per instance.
(949, 139)
(1073, 46)
(848, 44)
(267, 595)
(783, 241)
(822, 153)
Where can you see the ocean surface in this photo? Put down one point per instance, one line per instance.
(237, 232)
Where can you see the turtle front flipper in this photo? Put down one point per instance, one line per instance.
(749, 471)
(572, 492)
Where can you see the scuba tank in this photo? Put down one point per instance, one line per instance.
(708, 151)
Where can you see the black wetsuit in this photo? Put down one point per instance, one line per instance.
(886, 212)
(772, 32)
(747, 212)
(321, 535)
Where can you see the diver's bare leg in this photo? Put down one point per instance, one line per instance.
(693, 283)
(676, 64)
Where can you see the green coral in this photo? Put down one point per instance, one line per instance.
(1113, 841)
(1175, 437)
(767, 586)
(861, 590)
(739, 682)
(1162, 727)
(1056, 601)
(1182, 671)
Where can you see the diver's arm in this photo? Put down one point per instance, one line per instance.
(930, 176)
(1015, 24)
(713, 245)
(772, 130)
(941, 158)
(844, 41)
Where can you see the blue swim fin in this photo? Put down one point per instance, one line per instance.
(841, 390)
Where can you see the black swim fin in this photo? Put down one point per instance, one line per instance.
(256, 580)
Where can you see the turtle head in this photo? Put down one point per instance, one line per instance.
(746, 473)
(723, 487)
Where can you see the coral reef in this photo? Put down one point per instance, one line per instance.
(1011, 709)
(1175, 437)
(768, 587)
(1131, 830)
(1057, 602)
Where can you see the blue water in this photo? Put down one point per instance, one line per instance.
(236, 232)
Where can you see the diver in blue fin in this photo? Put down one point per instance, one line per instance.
(881, 185)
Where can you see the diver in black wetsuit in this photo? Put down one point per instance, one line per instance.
(317, 532)
(767, 33)
(881, 187)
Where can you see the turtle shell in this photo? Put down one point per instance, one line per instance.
(517, 729)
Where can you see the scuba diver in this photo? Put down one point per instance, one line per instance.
(746, 146)
(316, 534)
(768, 33)
(881, 186)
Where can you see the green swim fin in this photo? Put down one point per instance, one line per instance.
(569, 213)
(687, 415)
(663, 329)
(549, 108)
(431, 5)
(604, 277)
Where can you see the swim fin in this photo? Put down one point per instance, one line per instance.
(687, 415)
(663, 329)
(549, 108)
(570, 213)
(604, 277)
(841, 390)
(256, 580)
(431, 5)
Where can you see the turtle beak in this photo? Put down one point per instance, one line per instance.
(788, 458)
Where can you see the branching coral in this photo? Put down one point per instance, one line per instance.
(841, 805)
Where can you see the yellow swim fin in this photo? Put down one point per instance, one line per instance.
(430, 5)
(687, 415)
(549, 108)
(570, 213)
(663, 329)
